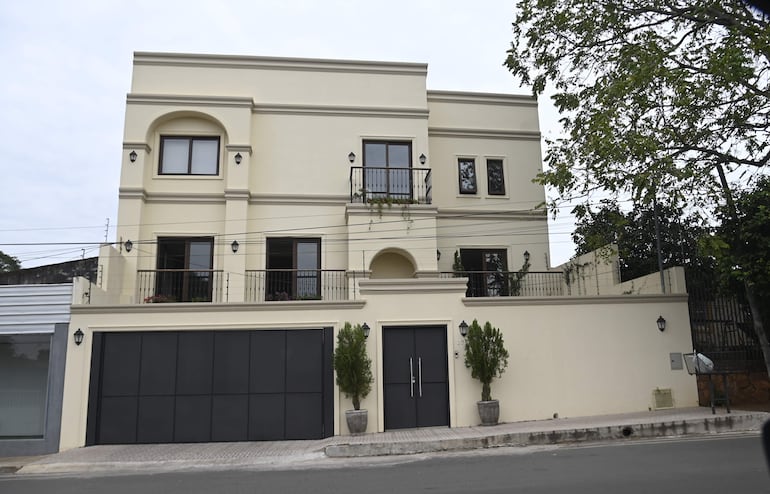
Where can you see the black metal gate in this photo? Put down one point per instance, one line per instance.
(200, 386)
(721, 324)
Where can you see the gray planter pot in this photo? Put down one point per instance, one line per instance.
(489, 412)
(357, 420)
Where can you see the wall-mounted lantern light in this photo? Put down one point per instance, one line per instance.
(661, 324)
(365, 327)
(526, 256)
(422, 159)
(78, 337)
(238, 158)
(438, 255)
(132, 156)
(352, 157)
(463, 329)
(234, 246)
(128, 245)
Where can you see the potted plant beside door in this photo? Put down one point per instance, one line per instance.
(487, 358)
(354, 373)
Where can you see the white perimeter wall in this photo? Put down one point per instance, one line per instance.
(574, 356)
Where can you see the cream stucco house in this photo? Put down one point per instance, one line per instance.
(264, 202)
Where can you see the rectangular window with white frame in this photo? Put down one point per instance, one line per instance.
(466, 168)
(181, 155)
(495, 177)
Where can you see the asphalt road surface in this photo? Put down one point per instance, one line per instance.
(695, 466)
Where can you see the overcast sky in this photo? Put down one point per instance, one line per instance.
(67, 69)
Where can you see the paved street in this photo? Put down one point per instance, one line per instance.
(721, 464)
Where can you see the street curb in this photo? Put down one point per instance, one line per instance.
(163, 466)
(707, 426)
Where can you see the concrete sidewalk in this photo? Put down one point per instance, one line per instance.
(154, 458)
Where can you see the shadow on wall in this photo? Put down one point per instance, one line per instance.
(389, 265)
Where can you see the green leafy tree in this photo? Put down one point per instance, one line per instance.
(659, 99)
(655, 95)
(8, 263)
(741, 246)
(485, 355)
(352, 365)
(634, 234)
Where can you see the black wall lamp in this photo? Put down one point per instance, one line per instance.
(78, 336)
(661, 324)
(352, 157)
(526, 256)
(463, 329)
(128, 245)
(132, 156)
(234, 246)
(422, 159)
(238, 158)
(366, 328)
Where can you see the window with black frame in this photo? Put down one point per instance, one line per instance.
(293, 269)
(184, 271)
(387, 170)
(495, 177)
(182, 155)
(487, 272)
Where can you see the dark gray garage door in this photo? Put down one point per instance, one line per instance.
(201, 386)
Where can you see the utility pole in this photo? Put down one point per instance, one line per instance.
(657, 241)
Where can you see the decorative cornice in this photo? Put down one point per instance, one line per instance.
(137, 145)
(570, 300)
(132, 193)
(299, 200)
(280, 63)
(414, 210)
(233, 148)
(496, 99)
(236, 194)
(341, 111)
(223, 307)
(414, 285)
(242, 194)
(188, 100)
(517, 135)
(185, 197)
(476, 214)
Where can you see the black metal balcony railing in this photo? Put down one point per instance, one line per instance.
(181, 285)
(296, 284)
(511, 283)
(397, 185)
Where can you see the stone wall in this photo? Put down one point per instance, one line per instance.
(749, 389)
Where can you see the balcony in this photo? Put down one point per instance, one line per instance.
(512, 283)
(393, 185)
(277, 285)
(181, 285)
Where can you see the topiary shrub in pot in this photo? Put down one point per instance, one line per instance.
(487, 358)
(354, 373)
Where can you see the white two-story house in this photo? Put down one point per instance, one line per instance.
(264, 202)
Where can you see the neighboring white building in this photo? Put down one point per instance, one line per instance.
(264, 202)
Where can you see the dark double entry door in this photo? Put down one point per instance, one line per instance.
(416, 386)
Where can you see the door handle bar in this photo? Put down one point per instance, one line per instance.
(419, 373)
(411, 379)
